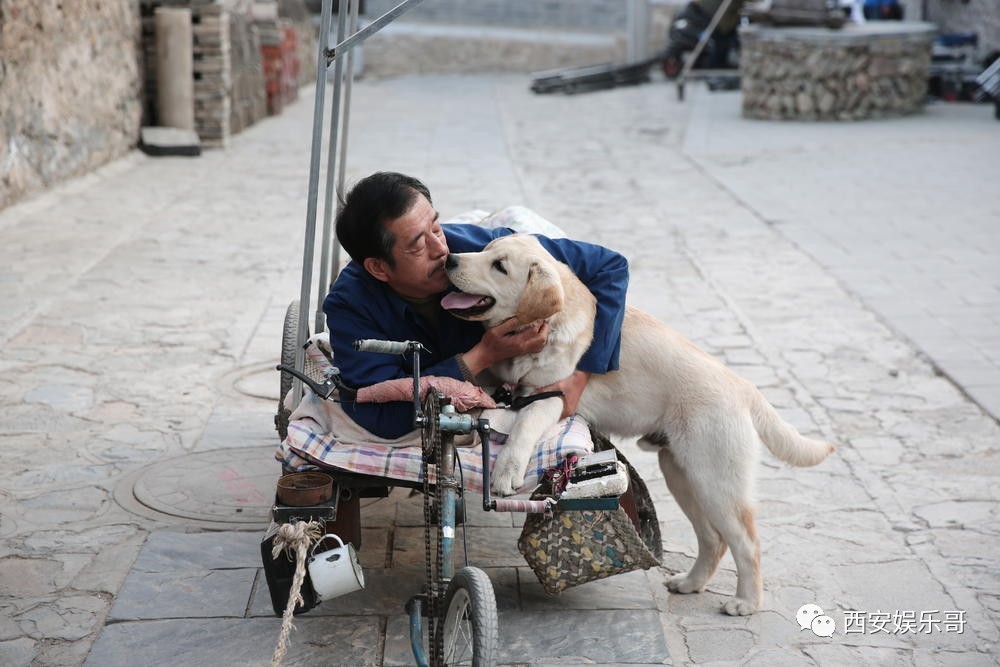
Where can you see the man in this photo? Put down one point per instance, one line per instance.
(393, 287)
(687, 27)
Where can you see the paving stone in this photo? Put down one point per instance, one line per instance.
(25, 577)
(622, 591)
(69, 618)
(627, 636)
(398, 650)
(62, 397)
(84, 540)
(67, 505)
(17, 652)
(495, 546)
(189, 594)
(707, 646)
(106, 572)
(168, 551)
(55, 653)
(386, 592)
(237, 642)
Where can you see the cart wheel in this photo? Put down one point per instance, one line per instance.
(470, 620)
(289, 341)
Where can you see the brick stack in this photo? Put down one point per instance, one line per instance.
(280, 51)
(247, 61)
(212, 66)
(213, 80)
(248, 98)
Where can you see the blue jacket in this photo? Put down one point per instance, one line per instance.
(361, 306)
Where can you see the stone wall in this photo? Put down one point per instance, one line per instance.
(69, 89)
(860, 71)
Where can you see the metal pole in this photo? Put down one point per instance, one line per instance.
(345, 126)
(371, 28)
(310, 240)
(331, 168)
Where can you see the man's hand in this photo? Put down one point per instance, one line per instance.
(572, 388)
(505, 341)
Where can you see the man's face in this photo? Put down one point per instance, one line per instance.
(419, 252)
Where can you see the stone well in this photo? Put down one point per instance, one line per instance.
(871, 70)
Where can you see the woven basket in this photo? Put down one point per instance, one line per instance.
(572, 548)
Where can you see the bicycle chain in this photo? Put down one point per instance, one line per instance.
(431, 442)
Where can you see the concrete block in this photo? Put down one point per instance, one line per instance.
(164, 141)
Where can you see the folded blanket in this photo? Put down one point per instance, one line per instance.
(307, 447)
(321, 435)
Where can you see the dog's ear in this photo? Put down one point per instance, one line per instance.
(543, 295)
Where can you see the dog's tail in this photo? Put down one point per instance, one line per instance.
(783, 439)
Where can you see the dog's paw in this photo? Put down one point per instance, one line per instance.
(505, 485)
(739, 607)
(508, 472)
(683, 583)
(507, 479)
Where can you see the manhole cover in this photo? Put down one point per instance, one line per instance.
(223, 486)
(258, 380)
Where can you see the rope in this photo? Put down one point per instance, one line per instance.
(293, 538)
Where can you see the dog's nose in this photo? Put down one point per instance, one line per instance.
(451, 262)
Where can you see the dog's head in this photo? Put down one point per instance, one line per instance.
(514, 276)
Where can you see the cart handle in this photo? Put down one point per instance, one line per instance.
(325, 389)
(387, 346)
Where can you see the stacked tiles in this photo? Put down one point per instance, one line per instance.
(280, 50)
(248, 98)
(211, 51)
(212, 71)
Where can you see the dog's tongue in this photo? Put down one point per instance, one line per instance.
(460, 300)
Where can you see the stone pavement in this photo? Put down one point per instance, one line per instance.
(143, 311)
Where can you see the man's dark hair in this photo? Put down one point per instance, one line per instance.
(372, 202)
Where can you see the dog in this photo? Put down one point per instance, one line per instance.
(706, 421)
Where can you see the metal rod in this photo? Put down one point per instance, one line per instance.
(483, 428)
(345, 132)
(418, 415)
(414, 607)
(370, 29)
(310, 240)
(331, 167)
(448, 497)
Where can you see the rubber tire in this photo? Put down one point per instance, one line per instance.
(289, 343)
(470, 593)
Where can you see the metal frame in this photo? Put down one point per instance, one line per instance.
(335, 171)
